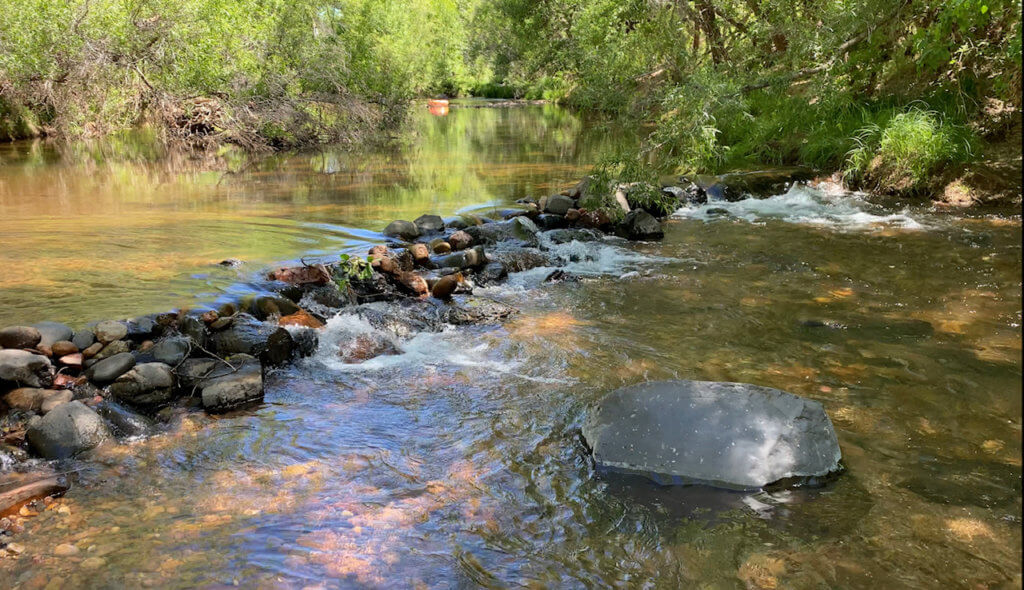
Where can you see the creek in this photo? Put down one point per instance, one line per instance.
(458, 462)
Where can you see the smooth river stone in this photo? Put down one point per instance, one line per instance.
(730, 435)
(67, 430)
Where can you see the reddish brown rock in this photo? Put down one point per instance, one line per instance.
(446, 285)
(25, 398)
(62, 381)
(54, 399)
(414, 283)
(420, 253)
(379, 251)
(92, 350)
(209, 317)
(311, 274)
(572, 215)
(460, 240)
(300, 318)
(146, 345)
(386, 265)
(365, 347)
(72, 360)
(19, 337)
(63, 348)
(596, 219)
(44, 350)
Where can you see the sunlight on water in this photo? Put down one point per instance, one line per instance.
(398, 458)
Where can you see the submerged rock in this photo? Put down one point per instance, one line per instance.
(737, 186)
(364, 347)
(564, 236)
(730, 435)
(520, 259)
(66, 431)
(493, 272)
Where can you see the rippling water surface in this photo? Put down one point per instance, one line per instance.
(457, 463)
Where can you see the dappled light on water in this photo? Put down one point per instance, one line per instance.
(455, 460)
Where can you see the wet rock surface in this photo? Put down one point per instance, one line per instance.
(145, 385)
(109, 369)
(405, 230)
(21, 367)
(641, 225)
(235, 383)
(730, 435)
(66, 431)
(123, 422)
(422, 282)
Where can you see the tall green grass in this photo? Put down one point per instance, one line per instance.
(910, 146)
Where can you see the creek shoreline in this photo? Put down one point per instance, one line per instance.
(64, 392)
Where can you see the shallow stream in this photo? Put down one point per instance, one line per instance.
(457, 463)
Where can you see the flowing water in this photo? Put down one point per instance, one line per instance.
(458, 463)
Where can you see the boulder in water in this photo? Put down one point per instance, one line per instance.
(67, 430)
(640, 225)
(730, 435)
(559, 204)
(400, 228)
(229, 388)
(427, 224)
(109, 369)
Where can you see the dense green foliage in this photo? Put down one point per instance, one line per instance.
(877, 88)
(272, 71)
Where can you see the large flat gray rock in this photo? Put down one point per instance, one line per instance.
(729, 435)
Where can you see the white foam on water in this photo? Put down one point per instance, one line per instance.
(805, 205)
(451, 347)
(583, 259)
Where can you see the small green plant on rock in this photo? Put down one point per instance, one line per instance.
(353, 267)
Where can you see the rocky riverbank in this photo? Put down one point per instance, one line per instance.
(66, 391)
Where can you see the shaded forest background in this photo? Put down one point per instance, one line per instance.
(890, 93)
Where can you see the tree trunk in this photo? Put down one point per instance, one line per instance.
(706, 16)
